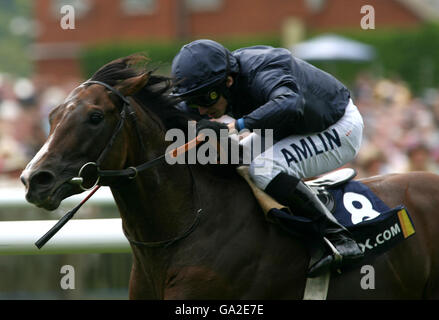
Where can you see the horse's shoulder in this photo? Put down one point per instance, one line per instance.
(400, 177)
(400, 185)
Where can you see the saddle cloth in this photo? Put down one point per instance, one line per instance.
(374, 225)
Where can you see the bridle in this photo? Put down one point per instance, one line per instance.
(130, 173)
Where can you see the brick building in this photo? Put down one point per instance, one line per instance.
(55, 50)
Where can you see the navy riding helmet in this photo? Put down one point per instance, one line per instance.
(200, 69)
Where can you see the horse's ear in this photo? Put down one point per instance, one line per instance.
(130, 86)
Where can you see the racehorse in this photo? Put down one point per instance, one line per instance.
(196, 231)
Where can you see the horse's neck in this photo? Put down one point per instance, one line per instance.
(158, 202)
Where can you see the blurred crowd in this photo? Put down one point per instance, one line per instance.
(401, 130)
(24, 108)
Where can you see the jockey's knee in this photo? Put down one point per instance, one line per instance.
(263, 172)
(260, 180)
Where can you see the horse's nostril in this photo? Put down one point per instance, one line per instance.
(23, 180)
(43, 178)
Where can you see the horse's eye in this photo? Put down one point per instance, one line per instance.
(96, 117)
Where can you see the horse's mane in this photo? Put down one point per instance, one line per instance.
(153, 96)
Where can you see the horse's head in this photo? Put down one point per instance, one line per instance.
(80, 130)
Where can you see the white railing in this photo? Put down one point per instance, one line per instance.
(15, 197)
(77, 236)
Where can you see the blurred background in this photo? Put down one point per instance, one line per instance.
(385, 51)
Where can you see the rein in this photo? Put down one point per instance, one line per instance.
(130, 173)
(169, 242)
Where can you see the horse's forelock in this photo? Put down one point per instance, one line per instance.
(154, 96)
(121, 69)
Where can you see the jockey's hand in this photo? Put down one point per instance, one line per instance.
(215, 126)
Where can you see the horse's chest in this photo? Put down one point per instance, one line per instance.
(196, 282)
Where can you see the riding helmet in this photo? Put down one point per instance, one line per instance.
(200, 65)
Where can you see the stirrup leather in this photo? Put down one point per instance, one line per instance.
(335, 253)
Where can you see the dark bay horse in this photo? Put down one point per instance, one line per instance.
(220, 246)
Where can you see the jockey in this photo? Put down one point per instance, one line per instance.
(316, 127)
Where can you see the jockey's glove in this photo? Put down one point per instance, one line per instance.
(224, 151)
(213, 125)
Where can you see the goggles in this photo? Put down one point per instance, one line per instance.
(205, 99)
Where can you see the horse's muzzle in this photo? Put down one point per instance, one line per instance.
(42, 189)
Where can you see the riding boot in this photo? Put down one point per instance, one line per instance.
(301, 199)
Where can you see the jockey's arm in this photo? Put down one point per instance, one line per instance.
(282, 112)
(232, 128)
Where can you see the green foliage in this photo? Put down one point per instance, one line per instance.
(14, 51)
(408, 54)
(233, 43)
(160, 53)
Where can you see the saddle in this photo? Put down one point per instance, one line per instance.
(331, 180)
(319, 186)
(374, 225)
